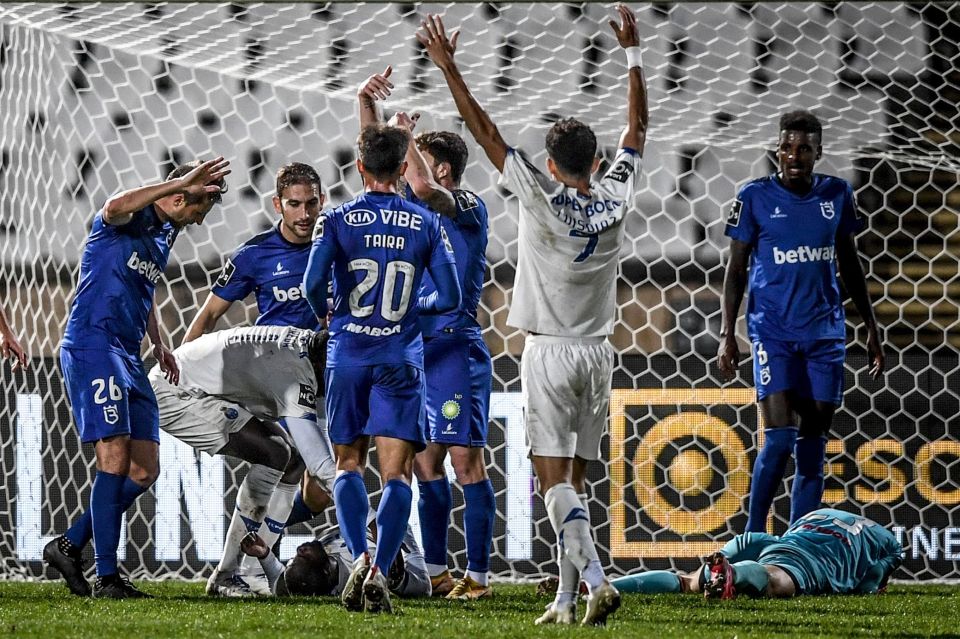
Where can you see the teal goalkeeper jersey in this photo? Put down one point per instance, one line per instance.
(830, 551)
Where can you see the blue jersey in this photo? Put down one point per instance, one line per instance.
(832, 551)
(272, 268)
(119, 271)
(794, 293)
(468, 236)
(380, 245)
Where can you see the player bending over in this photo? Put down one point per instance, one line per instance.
(234, 385)
(456, 362)
(322, 567)
(108, 390)
(570, 232)
(378, 246)
(796, 231)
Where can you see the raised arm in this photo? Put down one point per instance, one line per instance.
(634, 136)
(376, 87)
(120, 208)
(851, 272)
(734, 285)
(206, 320)
(433, 37)
(418, 174)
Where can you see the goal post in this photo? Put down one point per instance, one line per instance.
(96, 97)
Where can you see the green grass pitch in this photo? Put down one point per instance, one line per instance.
(182, 610)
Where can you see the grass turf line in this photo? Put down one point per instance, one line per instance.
(182, 610)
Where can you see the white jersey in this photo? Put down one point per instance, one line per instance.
(265, 369)
(568, 248)
(417, 583)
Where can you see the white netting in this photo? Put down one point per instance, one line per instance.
(95, 97)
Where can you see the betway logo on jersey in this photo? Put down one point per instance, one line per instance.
(804, 254)
(289, 294)
(144, 267)
(372, 331)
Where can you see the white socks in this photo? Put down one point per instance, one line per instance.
(571, 522)
(252, 501)
(278, 511)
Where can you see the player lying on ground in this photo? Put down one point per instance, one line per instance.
(456, 362)
(826, 552)
(323, 566)
(107, 387)
(795, 230)
(571, 229)
(235, 387)
(378, 247)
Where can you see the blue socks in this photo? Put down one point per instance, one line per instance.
(300, 511)
(392, 518)
(435, 505)
(106, 513)
(81, 532)
(350, 497)
(808, 483)
(481, 506)
(768, 474)
(649, 583)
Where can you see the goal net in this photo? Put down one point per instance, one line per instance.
(99, 97)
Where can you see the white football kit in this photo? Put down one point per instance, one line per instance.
(565, 297)
(229, 376)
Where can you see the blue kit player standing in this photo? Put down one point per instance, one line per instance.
(107, 386)
(271, 265)
(379, 246)
(456, 361)
(796, 230)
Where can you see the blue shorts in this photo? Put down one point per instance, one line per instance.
(110, 395)
(458, 377)
(812, 369)
(383, 400)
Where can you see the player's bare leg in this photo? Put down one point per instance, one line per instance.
(810, 453)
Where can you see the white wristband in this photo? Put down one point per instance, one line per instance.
(634, 57)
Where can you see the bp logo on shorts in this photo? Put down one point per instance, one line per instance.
(450, 409)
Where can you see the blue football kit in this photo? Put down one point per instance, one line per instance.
(106, 383)
(272, 268)
(379, 246)
(456, 360)
(795, 315)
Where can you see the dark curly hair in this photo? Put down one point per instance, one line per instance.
(572, 146)
(297, 173)
(801, 121)
(446, 146)
(382, 149)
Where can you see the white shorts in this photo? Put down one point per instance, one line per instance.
(203, 423)
(566, 394)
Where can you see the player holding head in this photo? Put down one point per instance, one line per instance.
(378, 246)
(322, 567)
(235, 387)
(271, 265)
(111, 399)
(824, 552)
(9, 345)
(795, 229)
(457, 365)
(570, 232)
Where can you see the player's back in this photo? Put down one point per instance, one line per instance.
(842, 549)
(272, 268)
(119, 271)
(568, 248)
(467, 232)
(383, 245)
(265, 369)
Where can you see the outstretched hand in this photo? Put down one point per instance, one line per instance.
(203, 179)
(253, 544)
(403, 121)
(377, 86)
(626, 32)
(433, 36)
